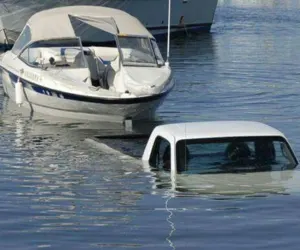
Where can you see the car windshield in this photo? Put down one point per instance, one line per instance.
(52, 54)
(234, 155)
(137, 51)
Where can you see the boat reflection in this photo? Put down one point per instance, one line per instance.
(39, 124)
(52, 169)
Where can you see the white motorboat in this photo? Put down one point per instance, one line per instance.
(186, 14)
(60, 65)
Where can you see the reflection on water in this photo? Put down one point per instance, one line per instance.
(279, 182)
(53, 182)
(228, 184)
(59, 192)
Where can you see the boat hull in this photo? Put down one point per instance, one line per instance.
(187, 15)
(55, 103)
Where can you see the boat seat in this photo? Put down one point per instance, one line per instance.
(96, 68)
(110, 73)
(101, 63)
(107, 54)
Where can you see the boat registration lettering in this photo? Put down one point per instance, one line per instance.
(32, 76)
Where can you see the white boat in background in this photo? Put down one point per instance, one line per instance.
(186, 14)
(59, 66)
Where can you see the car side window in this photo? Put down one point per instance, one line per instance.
(161, 154)
(284, 157)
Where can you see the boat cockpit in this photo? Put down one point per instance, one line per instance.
(98, 64)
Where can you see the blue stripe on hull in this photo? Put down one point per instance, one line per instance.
(64, 95)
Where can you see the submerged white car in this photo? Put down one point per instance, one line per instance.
(219, 157)
(218, 147)
(207, 148)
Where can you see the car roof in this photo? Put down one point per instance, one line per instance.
(217, 129)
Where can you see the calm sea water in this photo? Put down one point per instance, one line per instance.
(59, 192)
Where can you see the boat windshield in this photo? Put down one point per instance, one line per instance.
(159, 58)
(139, 51)
(57, 53)
(234, 155)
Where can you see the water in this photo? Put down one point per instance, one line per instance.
(59, 192)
